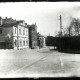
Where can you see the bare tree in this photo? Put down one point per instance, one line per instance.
(75, 24)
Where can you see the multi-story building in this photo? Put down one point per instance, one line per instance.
(13, 34)
(32, 36)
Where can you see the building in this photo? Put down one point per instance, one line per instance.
(32, 36)
(41, 41)
(13, 34)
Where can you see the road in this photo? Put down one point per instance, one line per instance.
(38, 63)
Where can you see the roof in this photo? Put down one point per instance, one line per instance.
(8, 25)
(20, 21)
(9, 22)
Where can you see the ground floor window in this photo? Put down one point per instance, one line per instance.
(15, 42)
(24, 42)
(20, 42)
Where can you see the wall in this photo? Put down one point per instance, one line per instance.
(6, 37)
(33, 36)
(22, 37)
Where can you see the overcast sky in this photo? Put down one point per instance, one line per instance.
(45, 14)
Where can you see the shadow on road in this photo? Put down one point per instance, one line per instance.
(70, 51)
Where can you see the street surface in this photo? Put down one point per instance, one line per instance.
(38, 63)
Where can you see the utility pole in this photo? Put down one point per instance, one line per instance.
(60, 26)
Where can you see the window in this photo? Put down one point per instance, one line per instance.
(19, 31)
(26, 33)
(23, 32)
(0, 31)
(15, 30)
(24, 42)
(20, 42)
(15, 42)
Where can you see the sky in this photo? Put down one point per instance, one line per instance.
(45, 14)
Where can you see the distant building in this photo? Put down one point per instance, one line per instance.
(32, 35)
(41, 41)
(13, 34)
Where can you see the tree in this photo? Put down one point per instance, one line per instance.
(75, 24)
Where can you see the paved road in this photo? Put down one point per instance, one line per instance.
(38, 63)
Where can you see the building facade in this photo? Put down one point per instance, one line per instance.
(32, 36)
(13, 34)
(41, 41)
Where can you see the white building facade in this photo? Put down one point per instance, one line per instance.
(20, 36)
(14, 35)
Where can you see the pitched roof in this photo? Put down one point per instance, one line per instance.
(9, 22)
(20, 21)
(8, 25)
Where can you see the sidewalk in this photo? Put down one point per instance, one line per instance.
(42, 50)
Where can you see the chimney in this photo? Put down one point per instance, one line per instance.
(1, 21)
